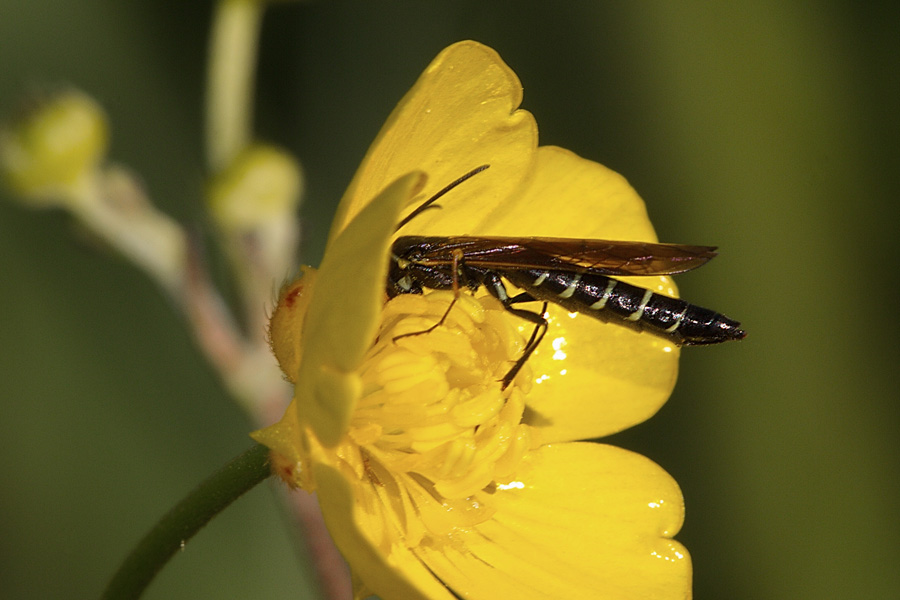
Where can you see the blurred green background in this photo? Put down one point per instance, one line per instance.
(767, 128)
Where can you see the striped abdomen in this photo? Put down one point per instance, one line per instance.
(609, 299)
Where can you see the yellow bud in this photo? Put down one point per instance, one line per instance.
(286, 324)
(46, 155)
(261, 184)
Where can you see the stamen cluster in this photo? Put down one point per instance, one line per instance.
(433, 427)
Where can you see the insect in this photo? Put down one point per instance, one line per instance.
(576, 274)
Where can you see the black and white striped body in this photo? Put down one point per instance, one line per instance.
(612, 300)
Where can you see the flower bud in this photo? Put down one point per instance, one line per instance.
(46, 155)
(262, 184)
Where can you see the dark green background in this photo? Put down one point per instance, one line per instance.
(767, 128)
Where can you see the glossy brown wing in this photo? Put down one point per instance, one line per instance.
(605, 257)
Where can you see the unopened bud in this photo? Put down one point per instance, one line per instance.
(262, 184)
(46, 154)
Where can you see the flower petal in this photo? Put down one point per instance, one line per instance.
(344, 311)
(460, 114)
(571, 197)
(592, 378)
(394, 574)
(584, 520)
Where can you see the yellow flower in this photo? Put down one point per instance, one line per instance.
(433, 480)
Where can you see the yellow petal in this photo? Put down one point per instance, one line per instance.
(397, 573)
(344, 311)
(571, 197)
(592, 378)
(460, 114)
(583, 521)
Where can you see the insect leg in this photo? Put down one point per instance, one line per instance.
(457, 259)
(494, 285)
(540, 329)
(525, 297)
(433, 327)
(537, 328)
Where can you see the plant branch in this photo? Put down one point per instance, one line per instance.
(184, 520)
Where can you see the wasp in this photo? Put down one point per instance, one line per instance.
(576, 274)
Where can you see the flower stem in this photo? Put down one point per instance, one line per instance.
(185, 519)
(229, 80)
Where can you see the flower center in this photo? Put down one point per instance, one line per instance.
(432, 419)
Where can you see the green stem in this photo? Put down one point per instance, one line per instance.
(229, 81)
(185, 519)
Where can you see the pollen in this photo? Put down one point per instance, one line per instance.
(433, 416)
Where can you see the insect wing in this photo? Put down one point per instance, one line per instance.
(604, 257)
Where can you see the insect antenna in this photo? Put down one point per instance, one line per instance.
(430, 202)
(419, 210)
